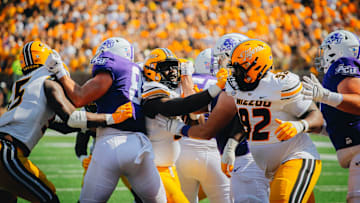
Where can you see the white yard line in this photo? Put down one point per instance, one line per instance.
(79, 189)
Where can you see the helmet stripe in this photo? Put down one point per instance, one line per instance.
(24, 53)
(212, 61)
(27, 54)
(132, 53)
(167, 52)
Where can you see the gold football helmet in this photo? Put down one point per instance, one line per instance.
(250, 61)
(33, 55)
(163, 66)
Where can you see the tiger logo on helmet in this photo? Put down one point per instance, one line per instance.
(33, 55)
(249, 62)
(159, 67)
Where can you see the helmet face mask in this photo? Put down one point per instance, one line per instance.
(337, 44)
(163, 66)
(170, 73)
(250, 61)
(33, 55)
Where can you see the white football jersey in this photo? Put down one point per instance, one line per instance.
(277, 96)
(28, 114)
(166, 149)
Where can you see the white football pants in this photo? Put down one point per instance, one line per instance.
(119, 153)
(200, 163)
(248, 181)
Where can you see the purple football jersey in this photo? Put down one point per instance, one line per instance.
(126, 87)
(343, 128)
(203, 81)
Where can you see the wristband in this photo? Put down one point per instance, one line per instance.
(109, 119)
(77, 119)
(185, 130)
(305, 124)
(333, 99)
(214, 90)
(194, 116)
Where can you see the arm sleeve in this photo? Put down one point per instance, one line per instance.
(82, 139)
(62, 127)
(177, 106)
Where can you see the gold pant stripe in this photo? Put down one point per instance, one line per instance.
(19, 172)
(302, 183)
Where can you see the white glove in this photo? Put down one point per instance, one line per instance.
(313, 90)
(228, 157)
(173, 125)
(54, 65)
(187, 68)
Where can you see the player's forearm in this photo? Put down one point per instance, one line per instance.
(187, 85)
(350, 104)
(314, 119)
(73, 91)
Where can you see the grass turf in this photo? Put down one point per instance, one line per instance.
(55, 156)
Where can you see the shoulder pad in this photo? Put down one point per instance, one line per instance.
(290, 85)
(154, 89)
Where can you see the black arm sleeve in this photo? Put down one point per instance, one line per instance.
(176, 106)
(236, 128)
(62, 127)
(82, 139)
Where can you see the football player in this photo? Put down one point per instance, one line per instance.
(33, 104)
(199, 159)
(121, 149)
(339, 95)
(275, 118)
(162, 104)
(248, 181)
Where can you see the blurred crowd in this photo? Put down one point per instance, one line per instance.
(293, 28)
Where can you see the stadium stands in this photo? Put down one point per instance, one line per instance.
(293, 28)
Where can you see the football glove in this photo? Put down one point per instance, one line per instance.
(228, 157)
(221, 76)
(187, 68)
(288, 129)
(85, 160)
(196, 89)
(122, 113)
(313, 90)
(55, 65)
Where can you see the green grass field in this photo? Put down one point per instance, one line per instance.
(55, 156)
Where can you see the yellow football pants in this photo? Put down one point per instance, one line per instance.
(171, 182)
(20, 177)
(294, 181)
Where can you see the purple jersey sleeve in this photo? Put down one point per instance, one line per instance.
(126, 85)
(343, 128)
(203, 81)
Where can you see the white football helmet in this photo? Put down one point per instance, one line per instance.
(225, 43)
(118, 46)
(224, 46)
(340, 43)
(206, 63)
